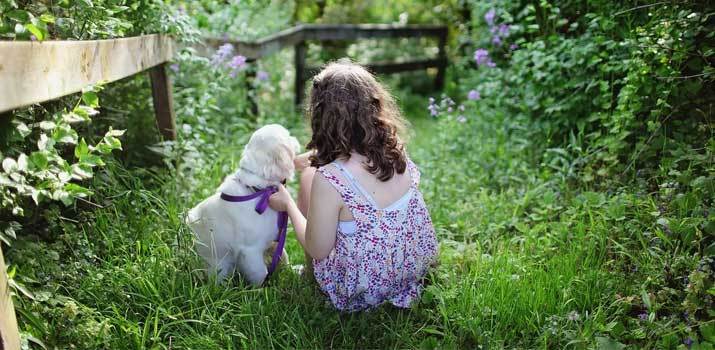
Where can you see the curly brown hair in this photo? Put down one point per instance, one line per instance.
(350, 110)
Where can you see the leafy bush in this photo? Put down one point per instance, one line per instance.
(40, 172)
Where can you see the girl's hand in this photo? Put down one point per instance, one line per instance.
(281, 200)
(302, 161)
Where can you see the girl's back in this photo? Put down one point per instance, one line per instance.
(385, 240)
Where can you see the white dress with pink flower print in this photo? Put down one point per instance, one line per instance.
(384, 253)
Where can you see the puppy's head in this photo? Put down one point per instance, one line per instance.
(270, 152)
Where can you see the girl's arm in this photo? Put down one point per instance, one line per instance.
(317, 234)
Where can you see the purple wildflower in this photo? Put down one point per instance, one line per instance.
(643, 316)
(481, 57)
(461, 118)
(33, 37)
(513, 47)
(688, 342)
(238, 62)
(450, 110)
(262, 75)
(474, 95)
(504, 30)
(496, 40)
(491, 64)
(489, 17)
(174, 67)
(433, 108)
(222, 54)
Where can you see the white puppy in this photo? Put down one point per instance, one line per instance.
(233, 235)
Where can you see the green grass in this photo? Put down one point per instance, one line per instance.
(524, 263)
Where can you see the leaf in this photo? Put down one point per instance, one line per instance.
(39, 160)
(47, 18)
(91, 99)
(35, 31)
(708, 331)
(65, 134)
(9, 165)
(605, 343)
(77, 190)
(44, 143)
(19, 28)
(19, 287)
(23, 129)
(85, 111)
(19, 16)
(115, 133)
(646, 299)
(47, 125)
(73, 117)
(81, 173)
(81, 150)
(22, 162)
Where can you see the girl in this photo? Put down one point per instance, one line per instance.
(368, 231)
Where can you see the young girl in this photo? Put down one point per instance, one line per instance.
(368, 231)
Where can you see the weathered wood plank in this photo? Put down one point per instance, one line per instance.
(163, 101)
(388, 67)
(262, 47)
(9, 335)
(321, 32)
(362, 31)
(34, 72)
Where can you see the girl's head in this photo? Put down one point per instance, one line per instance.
(350, 111)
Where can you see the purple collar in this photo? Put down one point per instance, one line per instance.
(261, 207)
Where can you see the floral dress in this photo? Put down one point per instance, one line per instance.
(381, 256)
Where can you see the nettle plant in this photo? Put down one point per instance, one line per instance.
(34, 164)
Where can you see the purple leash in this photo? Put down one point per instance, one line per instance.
(261, 207)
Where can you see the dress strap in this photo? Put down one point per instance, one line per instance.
(414, 172)
(355, 184)
(345, 190)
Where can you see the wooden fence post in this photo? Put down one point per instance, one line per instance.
(299, 73)
(442, 57)
(9, 335)
(163, 101)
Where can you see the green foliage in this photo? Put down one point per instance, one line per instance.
(87, 19)
(40, 172)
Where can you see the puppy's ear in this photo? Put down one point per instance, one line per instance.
(295, 145)
(281, 165)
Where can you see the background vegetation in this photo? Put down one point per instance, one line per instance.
(569, 169)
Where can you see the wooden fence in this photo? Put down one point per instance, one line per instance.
(297, 36)
(36, 72)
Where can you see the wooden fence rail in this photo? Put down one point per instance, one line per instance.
(33, 72)
(298, 35)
